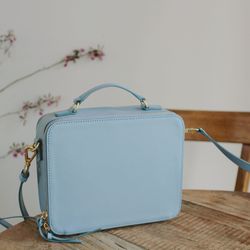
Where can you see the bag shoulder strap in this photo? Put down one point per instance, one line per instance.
(235, 159)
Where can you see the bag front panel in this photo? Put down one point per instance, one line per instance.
(105, 173)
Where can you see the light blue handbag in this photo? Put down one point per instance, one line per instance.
(107, 167)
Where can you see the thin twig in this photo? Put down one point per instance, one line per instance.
(3, 156)
(91, 53)
(9, 113)
(29, 75)
(37, 105)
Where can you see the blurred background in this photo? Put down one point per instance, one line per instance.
(181, 54)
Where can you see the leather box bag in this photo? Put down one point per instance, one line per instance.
(107, 167)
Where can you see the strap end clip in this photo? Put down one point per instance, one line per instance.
(28, 159)
(191, 130)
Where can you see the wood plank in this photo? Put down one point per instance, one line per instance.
(234, 203)
(197, 227)
(206, 213)
(191, 230)
(24, 236)
(222, 126)
(208, 220)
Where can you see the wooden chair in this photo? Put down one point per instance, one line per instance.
(231, 127)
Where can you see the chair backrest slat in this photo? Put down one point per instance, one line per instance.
(222, 126)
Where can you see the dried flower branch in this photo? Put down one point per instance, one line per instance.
(6, 41)
(92, 53)
(77, 53)
(16, 149)
(96, 53)
(38, 106)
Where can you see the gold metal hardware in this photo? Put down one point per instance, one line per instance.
(46, 226)
(75, 107)
(144, 104)
(27, 158)
(191, 130)
(44, 217)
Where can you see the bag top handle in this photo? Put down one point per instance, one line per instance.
(77, 101)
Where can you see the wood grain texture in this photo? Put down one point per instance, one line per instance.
(208, 220)
(24, 236)
(233, 203)
(223, 127)
(243, 177)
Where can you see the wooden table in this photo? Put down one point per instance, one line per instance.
(208, 220)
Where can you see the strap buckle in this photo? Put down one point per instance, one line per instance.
(29, 158)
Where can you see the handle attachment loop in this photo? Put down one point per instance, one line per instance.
(75, 107)
(144, 104)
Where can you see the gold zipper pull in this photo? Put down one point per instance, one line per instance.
(44, 217)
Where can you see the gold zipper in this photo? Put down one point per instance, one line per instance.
(44, 217)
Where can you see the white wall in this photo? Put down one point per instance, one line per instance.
(180, 54)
